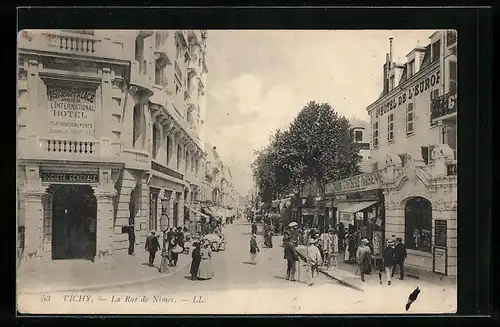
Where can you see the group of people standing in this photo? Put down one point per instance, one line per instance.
(173, 244)
(201, 264)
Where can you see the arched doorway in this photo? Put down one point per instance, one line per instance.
(74, 211)
(418, 224)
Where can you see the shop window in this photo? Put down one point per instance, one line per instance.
(410, 116)
(153, 208)
(390, 128)
(375, 134)
(453, 76)
(436, 50)
(418, 224)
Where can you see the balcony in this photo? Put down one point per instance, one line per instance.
(136, 159)
(74, 44)
(140, 78)
(160, 96)
(49, 148)
(444, 107)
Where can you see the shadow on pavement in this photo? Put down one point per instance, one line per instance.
(247, 263)
(296, 281)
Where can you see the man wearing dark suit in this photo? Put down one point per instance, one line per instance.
(401, 255)
(152, 246)
(291, 258)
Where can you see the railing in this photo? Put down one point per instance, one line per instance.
(444, 105)
(165, 170)
(71, 147)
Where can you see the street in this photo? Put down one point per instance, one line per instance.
(239, 287)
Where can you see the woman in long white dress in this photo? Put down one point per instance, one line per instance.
(205, 270)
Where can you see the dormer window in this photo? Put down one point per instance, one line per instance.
(391, 82)
(436, 50)
(411, 68)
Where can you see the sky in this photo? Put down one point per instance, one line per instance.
(259, 80)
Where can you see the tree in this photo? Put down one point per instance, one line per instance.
(323, 146)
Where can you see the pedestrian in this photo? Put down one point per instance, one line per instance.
(254, 248)
(171, 255)
(205, 270)
(270, 236)
(291, 258)
(363, 258)
(325, 240)
(352, 247)
(254, 228)
(389, 257)
(401, 255)
(152, 246)
(306, 236)
(313, 261)
(196, 259)
(334, 248)
(164, 254)
(346, 251)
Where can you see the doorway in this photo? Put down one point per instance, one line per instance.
(74, 211)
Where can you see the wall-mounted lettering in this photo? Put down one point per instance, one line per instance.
(65, 177)
(409, 94)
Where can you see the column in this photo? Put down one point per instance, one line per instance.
(180, 217)
(47, 225)
(33, 237)
(104, 235)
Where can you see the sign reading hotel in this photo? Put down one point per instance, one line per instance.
(71, 113)
(410, 93)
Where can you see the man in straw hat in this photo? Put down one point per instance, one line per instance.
(363, 258)
(389, 256)
(313, 260)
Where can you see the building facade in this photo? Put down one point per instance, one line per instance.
(109, 138)
(413, 153)
(360, 137)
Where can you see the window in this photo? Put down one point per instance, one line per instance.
(169, 149)
(375, 134)
(179, 156)
(436, 50)
(426, 152)
(375, 166)
(390, 127)
(434, 94)
(139, 127)
(453, 76)
(186, 162)
(418, 224)
(391, 83)
(160, 77)
(358, 136)
(409, 119)
(155, 140)
(411, 68)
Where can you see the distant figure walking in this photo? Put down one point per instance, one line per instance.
(205, 270)
(291, 258)
(254, 228)
(196, 259)
(254, 248)
(313, 261)
(152, 246)
(164, 254)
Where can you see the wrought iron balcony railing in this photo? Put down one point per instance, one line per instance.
(444, 105)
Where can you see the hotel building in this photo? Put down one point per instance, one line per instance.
(109, 138)
(411, 191)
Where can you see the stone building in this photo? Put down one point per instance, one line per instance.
(412, 189)
(109, 138)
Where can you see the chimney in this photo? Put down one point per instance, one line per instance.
(385, 84)
(390, 52)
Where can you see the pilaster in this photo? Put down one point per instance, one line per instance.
(180, 217)
(33, 67)
(104, 113)
(104, 235)
(33, 238)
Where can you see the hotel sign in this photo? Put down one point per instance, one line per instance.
(73, 177)
(71, 112)
(409, 93)
(362, 182)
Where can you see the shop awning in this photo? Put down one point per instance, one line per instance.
(204, 216)
(353, 207)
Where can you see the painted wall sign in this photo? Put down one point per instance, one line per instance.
(440, 260)
(377, 242)
(64, 177)
(409, 93)
(71, 112)
(367, 181)
(440, 232)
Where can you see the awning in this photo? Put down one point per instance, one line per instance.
(353, 207)
(204, 216)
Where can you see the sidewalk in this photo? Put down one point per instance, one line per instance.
(80, 275)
